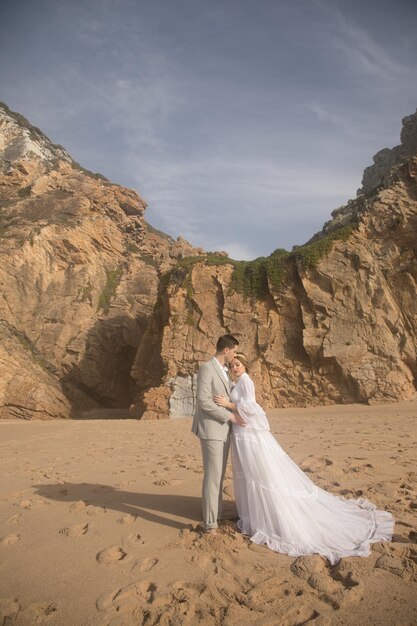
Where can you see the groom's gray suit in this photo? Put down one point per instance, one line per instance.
(211, 424)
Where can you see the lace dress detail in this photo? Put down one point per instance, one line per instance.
(278, 505)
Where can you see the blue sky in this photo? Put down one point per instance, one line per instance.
(243, 123)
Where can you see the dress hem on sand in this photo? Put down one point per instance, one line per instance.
(382, 530)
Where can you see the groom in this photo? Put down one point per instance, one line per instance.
(212, 425)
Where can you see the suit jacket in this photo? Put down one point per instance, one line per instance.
(211, 421)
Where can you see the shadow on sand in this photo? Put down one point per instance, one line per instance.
(158, 508)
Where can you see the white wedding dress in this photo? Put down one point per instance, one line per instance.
(278, 505)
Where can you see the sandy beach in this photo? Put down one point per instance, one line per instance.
(100, 525)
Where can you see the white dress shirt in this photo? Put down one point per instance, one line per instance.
(223, 369)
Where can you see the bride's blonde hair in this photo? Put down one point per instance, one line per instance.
(243, 359)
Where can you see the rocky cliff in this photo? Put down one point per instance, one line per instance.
(79, 278)
(97, 309)
(386, 159)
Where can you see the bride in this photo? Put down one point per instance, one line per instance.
(278, 505)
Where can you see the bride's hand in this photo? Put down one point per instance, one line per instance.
(221, 401)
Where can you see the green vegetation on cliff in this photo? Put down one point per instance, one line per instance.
(255, 278)
(113, 278)
(252, 278)
(310, 254)
(180, 274)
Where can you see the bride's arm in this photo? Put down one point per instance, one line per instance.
(235, 418)
(222, 401)
(248, 408)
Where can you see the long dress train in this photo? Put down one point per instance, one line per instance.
(278, 505)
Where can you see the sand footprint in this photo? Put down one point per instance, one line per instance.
(301, 615)
(132, 539)
(14, 518)
(95, 510)
(312, 463)
(127, 519)
(74, 531)
(111, 555)
(37, 613)
(145, 566)
(397, 558)
(263, 595)
(25, 504)
(202, 560)
(8, 609)
(126, 598)
(10, 539)
(78, 506)
(332, 586)
(162, 482)
(355, 466)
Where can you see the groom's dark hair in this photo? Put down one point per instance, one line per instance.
(226, 341)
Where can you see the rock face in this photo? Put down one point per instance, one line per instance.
(387, 158)
(97, 309)
(79, 278)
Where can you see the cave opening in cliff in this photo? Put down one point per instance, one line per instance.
(100, 384)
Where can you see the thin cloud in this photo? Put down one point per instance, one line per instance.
(236, 250)
(139, 105)
(365, 56)
(263, 193)
(324, 115)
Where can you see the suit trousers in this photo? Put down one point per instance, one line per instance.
(215, 455)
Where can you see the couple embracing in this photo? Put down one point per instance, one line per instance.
(277, 504)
